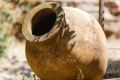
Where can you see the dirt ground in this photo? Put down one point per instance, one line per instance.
(16, 60)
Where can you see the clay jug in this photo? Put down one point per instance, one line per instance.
(60, 39)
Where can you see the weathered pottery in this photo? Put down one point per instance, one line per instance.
(60, 39)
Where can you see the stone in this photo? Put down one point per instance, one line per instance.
(115, 11)
(108, 16)
(112, 3)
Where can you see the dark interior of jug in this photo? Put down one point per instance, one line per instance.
(43, 21)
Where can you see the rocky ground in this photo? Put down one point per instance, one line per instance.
(14, 62)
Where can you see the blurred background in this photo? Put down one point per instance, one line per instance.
(12, 42)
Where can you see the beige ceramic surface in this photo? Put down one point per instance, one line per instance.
(80, 42)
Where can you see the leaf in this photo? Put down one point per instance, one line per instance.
(78, 68)
(80, 74)
(32, 74)
(20, 2)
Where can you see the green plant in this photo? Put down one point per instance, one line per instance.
(32, 74)
(111, 73)
(80, 74)
(12, 14)
(3, 39)
(108, 68)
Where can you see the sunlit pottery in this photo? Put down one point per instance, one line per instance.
(60, 39)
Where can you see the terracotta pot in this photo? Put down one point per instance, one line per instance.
(60, 39)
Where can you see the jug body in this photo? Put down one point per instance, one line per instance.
(64, 39)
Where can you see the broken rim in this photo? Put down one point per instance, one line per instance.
(43, 22)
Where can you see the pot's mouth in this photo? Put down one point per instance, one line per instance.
(43, 22)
